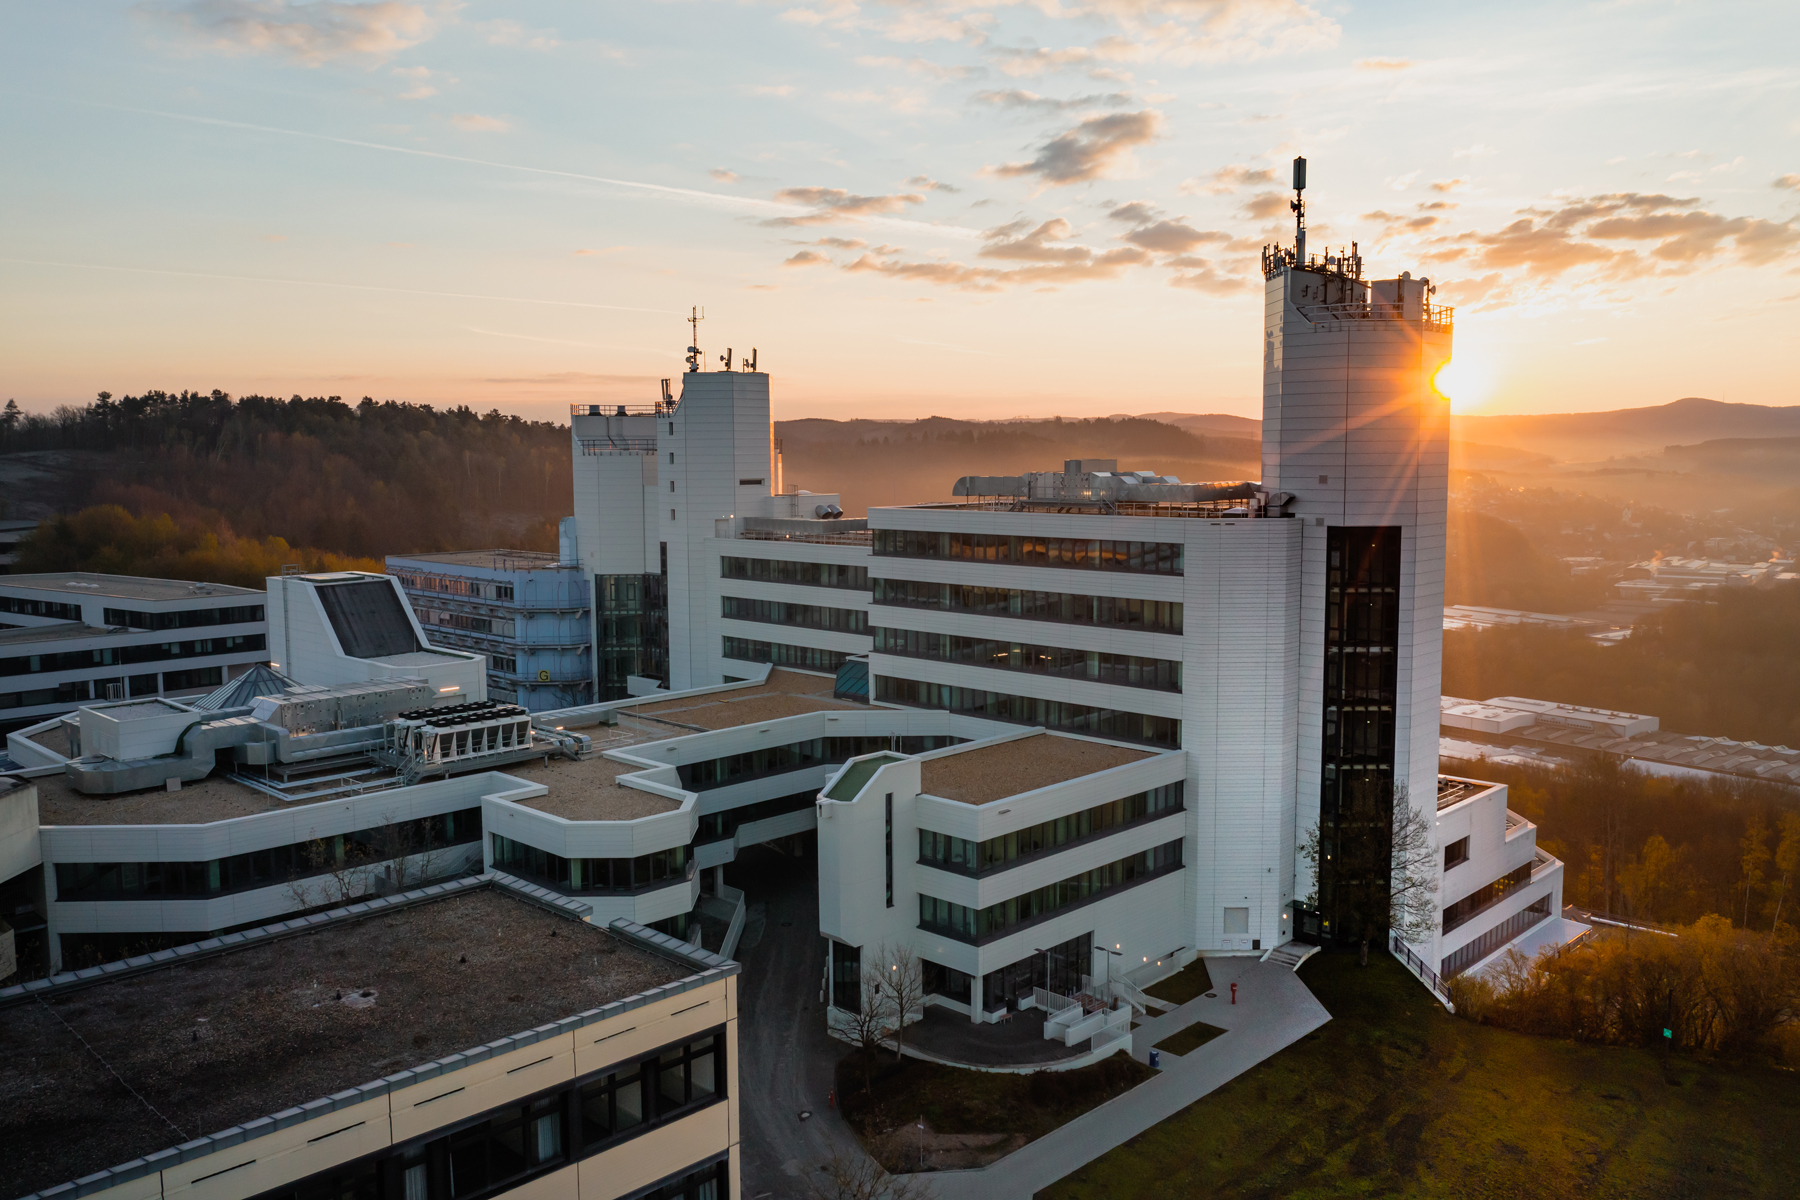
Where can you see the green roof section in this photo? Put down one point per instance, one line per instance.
(858, 775)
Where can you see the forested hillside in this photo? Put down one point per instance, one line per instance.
(362, 480)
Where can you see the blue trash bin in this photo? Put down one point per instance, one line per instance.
(1156, 1060)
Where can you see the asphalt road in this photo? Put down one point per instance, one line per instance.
(785, 1057)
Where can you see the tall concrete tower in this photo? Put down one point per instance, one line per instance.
(1356, 433)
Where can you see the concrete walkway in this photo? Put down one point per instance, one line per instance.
(1273, 1010)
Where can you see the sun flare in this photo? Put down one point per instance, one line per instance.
(1467, 381)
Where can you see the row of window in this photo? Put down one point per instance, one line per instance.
(108, 656)
(806, 616)
(493, 626)
(1031, 710)
(978, 925)
(39, 608)
(1066, 608)
(192, 618)
(717, 826)
(1126, 670)
(79, 691)
(584, 875)
(776, 760)
(506, 1146)
(967, 857)
(810, 658)
(1484, 898)
(1081, 554)
(807, 574)
(266, 868)
(455, 585)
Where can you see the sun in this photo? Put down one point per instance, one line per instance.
(1467, 381)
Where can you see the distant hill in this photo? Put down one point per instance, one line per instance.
(1628, 432)
(1208, 424)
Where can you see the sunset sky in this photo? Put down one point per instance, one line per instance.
(908, 208)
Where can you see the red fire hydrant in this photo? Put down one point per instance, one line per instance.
(1234, 993)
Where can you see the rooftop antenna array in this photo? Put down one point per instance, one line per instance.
(696, 316)
(726, 358)
(751, 365)
(1298, 204)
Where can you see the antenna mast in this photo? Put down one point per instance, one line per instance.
(696, 315)
(1298, 204)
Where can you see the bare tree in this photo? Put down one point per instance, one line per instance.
(1382, 864)
(902, 986)
(852, 1175)
(869, 1024)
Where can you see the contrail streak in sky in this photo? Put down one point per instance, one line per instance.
(355, 287)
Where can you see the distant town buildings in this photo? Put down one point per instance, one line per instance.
(1672, 579)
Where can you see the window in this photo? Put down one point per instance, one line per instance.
(805, 616)
(583, 875)
(807, 574)
(979, 925)
(965, 857)
(1484, 898)
(1456, 853)
(506, 664)
(720, 825)
(188, 619)
(1067, 608)
(40, 608)
(520, 1140)
(1126, 670)
(1237, 922)
(807, 657)
(1081, 554)
(846, 977)
(671, 486)
(78, 660)
(890, 849)
(193, 679)
(1031, 710)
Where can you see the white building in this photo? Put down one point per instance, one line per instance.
(75, 637)
(348, 627)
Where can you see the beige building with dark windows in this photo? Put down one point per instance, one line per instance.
(464, 1041)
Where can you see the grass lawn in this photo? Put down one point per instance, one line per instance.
(953, 1100)
(1395, 1097)
(1189, 1039)
(1184, 985)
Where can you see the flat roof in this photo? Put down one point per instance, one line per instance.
(216, 798)
(220, 1040)
(497, 560)
(121, 587)
(62, 631)
(414, 658)
(786, 694)
(988, 773)
(588, 790)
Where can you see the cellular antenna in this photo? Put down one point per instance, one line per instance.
(752, 366)
(696, 316)
(1298, 204)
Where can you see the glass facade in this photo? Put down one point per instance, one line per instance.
(804, 616)
(581, 876)
(1125, 670)
(1032, 710)
(193, 618)
(978, 925)
(1079, 554)
(809, 658)
(1362, 651)
(1065, 608)
(806, 574)
(965, 857)
(631, 631)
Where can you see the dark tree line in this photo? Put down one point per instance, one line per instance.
(364, 480)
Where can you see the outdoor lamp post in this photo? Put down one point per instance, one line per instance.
(1115, 953)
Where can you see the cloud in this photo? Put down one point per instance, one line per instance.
(1184, 32)
(1138, 212)
(1045, 254)
(1018, 98)
(806, 258)
(511, 33)
(1789, 183)
(841, 243)
(926, 183)
(420, 76)
(1202, 276)
(1094, 149)
(309, 34)
(723, 175)
(1396, 222)
(894, 99)
(918, 66)
(1448, 185)
(1172, 237)
(1266, 205)
(831, 205)
(1031, 61)
(1383, 64)
(1228, 179)
(1400, 183)
(476, 123)
(1476, 151)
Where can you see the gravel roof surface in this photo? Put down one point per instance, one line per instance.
(990, 773)
(211, 799)
(237, 1036)
(586, 791)
(787, 694)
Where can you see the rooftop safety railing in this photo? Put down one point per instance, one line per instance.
(1434, 316)
(1455, 791)
(1420, 970)
(848, 537)
(1205, 509)
(621, 410)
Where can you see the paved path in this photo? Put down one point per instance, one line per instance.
(785, 1057)
(1274, 1010)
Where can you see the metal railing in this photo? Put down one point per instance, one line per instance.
(1423, 973)
(621, 410)
(1433, 316)
(850, 537)
(617, 445)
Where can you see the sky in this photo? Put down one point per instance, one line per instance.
(905, 208)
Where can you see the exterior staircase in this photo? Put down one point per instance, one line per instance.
(1290, 955)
